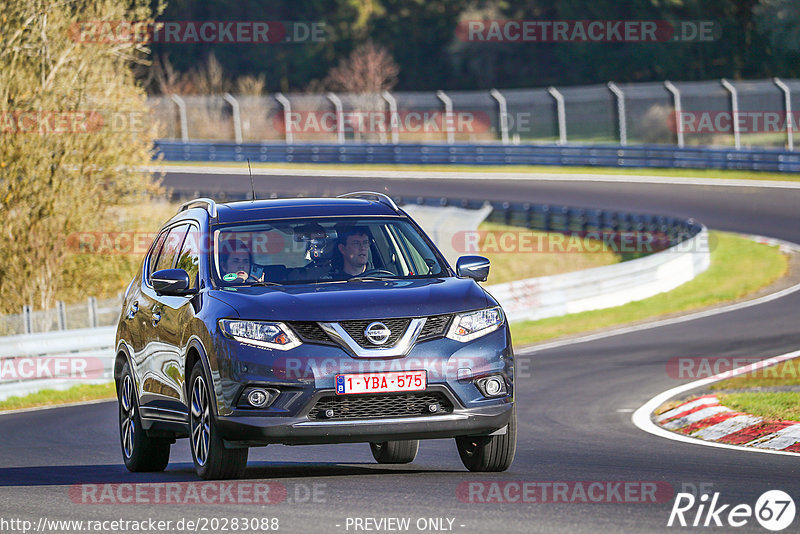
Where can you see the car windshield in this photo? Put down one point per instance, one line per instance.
(321, 251)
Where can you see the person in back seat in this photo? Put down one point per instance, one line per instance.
(317, 253)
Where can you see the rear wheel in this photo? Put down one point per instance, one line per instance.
(140, 452)
(395, 452)
(489, 453)
(211, 459)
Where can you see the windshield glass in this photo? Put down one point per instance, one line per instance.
(321, 250)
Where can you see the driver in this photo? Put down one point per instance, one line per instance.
(234, 261)
(353, 247)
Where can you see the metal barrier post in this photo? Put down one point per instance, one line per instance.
(501, 101)
(734, 112)
(182, 113)
(287, 115)
(27, 319)
(62, 315)
(448, 115)
(237, 118)
(561, 113)
(623, 128)
(337, 104)
(676, 98)
(93, 312)
(787, 103)
(394, 118)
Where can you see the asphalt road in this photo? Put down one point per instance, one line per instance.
(574, 406)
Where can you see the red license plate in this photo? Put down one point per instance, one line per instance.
(381, 382)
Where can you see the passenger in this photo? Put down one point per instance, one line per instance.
(319, 263)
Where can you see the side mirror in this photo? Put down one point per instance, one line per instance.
(171, 282)
(475, 267)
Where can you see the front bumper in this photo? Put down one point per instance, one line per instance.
(249, 431)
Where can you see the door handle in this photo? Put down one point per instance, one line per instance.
(132, 310)
(156, 318)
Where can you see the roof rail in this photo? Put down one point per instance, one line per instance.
(207, 203)
(380, 197)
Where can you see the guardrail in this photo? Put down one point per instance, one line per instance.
(604, 287)
(555, 295)
(656, 156)
(55, 360)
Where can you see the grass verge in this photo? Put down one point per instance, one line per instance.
(49, 397)
(525, 258)
(782, 374)
(738, 267)
(533, 169)
(773, 405)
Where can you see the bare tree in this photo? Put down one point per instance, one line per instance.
(369, 69)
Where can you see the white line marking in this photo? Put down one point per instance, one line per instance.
(477, 175)
(54, 406)
(641, 417)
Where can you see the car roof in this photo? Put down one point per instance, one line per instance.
(283, 208)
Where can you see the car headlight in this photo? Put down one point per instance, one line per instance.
(472, 325)
(260, 333)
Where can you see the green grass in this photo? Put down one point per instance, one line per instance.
(527, 259)
(774, 405)
(783, 374)
(738, 267)
(484, 169)
(48, 397)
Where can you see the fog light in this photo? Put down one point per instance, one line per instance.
(258, 398)
(493, 386)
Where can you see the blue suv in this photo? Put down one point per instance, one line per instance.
(303, 321)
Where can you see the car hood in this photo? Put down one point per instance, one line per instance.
(355, 300)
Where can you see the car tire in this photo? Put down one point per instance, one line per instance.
(140, 452)
(212, 460)
(489, 453)
(395, 452)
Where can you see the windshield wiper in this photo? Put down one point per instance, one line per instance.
(371, 278)
(266, 283)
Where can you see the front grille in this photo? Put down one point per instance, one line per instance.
(310, 332)
(356, 330)
(435, 326)
(377, 406)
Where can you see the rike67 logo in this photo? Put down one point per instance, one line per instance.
(774, 510)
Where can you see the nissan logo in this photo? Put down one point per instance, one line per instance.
(377, 333)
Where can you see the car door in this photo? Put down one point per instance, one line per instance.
(156, 395)
(174, 327)
(138, 328)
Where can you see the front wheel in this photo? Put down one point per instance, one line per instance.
(489, 453)
(140, 452)
(395, 452)
(211, 459)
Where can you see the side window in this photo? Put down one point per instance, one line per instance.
(152, 258)
(189, 258)
(172, 244)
